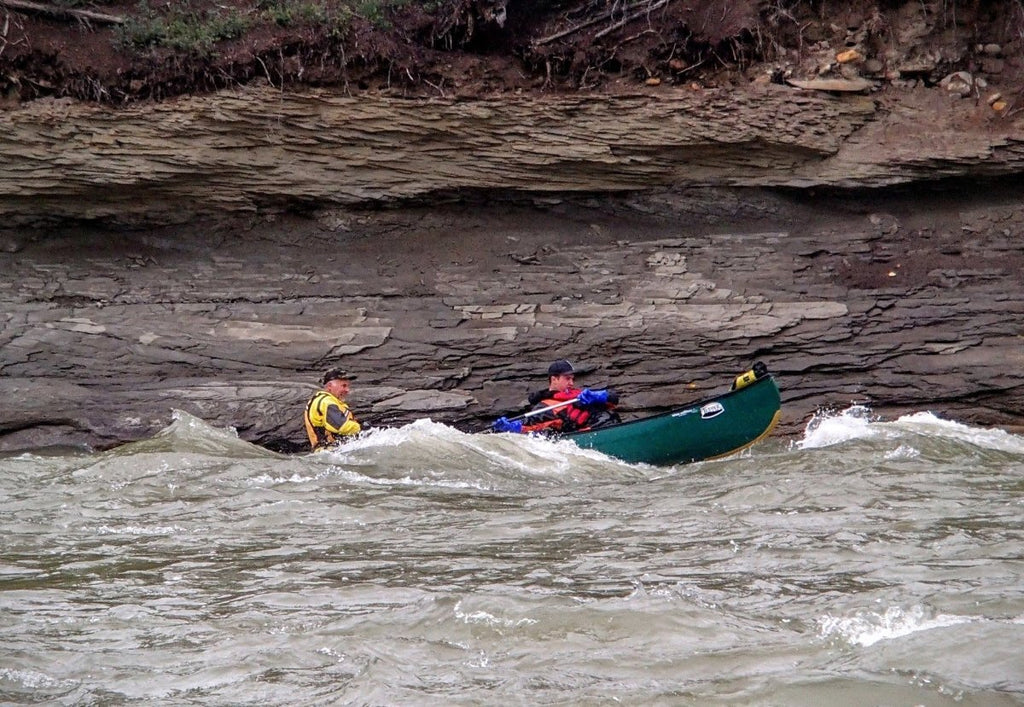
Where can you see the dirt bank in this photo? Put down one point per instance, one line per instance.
(120, 51)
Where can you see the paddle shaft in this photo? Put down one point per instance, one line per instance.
(549, 408)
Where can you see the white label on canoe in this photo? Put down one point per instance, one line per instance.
(711, 410)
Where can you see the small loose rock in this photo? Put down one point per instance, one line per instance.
(850, 56)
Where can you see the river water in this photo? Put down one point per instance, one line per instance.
(868, 562)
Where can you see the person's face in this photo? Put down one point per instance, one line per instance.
(561, 383)
(337, 388)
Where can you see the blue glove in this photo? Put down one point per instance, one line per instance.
(503, 424)
(592, 397)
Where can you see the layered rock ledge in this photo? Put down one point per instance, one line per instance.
(244, 150)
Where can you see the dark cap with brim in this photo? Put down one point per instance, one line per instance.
(560, 368)
(335, 374)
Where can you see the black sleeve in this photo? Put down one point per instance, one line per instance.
(335, 416)
(613, 397)
(538, 395)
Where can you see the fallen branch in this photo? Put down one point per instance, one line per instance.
(566, 32)
(592, 21)
(629, 18)
(61, 13)
(627, 40)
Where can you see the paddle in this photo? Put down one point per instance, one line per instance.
(549, 408)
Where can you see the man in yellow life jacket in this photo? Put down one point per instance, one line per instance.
(327, 416)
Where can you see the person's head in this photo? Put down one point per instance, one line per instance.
(336, 382)
(561, 375)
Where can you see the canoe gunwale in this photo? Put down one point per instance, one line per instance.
(675, 411)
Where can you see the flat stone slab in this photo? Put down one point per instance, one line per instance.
(837, 85)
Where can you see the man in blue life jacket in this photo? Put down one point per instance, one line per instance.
(327, 417)
(580, 409)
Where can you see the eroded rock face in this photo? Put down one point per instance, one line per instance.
(679, 274)
(258, 149)
(454, 312)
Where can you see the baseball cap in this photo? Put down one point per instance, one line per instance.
(560, 368)
(335, 374)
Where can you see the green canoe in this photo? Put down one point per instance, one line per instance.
(715, 427)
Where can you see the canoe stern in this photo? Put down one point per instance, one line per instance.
(708, 429)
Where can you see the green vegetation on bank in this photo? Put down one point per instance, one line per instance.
(182, 28)
(187, 28)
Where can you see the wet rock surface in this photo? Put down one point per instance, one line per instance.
(453, 312)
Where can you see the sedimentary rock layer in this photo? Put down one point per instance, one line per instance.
(678, 273)
(251, 149)
(454, 312)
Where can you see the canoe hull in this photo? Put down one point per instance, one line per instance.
(708, 429)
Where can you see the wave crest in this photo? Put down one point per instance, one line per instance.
(829, 428)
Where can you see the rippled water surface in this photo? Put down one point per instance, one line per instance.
(867, 563)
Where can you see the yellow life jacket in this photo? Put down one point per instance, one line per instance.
(319, 429)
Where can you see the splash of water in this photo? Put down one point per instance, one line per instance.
(866, 628)
(829, 428)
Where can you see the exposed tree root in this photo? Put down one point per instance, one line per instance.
(61, 13)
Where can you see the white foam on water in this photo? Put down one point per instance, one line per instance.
(410, 481)
(522, 455)
(828, 428)
(866, 628)
(268, 480)
(28, 679)
(357, 478)
(141, 530)
(904, 451)
(926, 423)
(488, 619)
(395, 436)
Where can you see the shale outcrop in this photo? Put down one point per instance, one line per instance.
(252, 149)
(453, 311)
(853, 219)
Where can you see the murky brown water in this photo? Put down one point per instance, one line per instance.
(869, 563)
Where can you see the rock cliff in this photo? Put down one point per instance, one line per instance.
(646, 239)
(443, 197)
